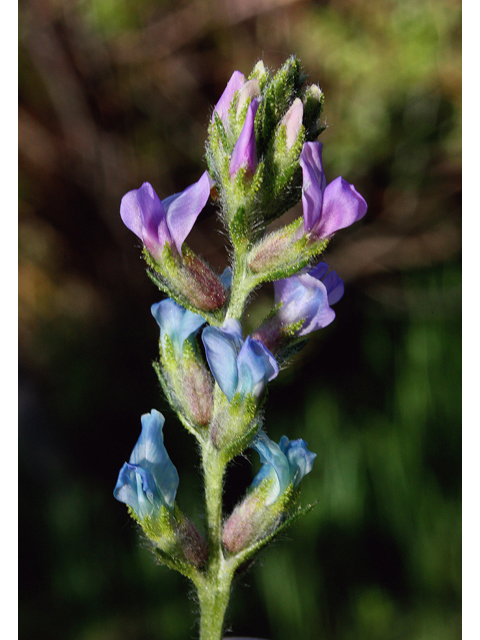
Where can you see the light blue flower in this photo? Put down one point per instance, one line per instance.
(175, 322)
(149, 480)
(238, 366)
(285, 463)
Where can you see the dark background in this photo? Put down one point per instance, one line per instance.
(114, 93)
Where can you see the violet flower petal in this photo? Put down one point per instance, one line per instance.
(235, 83)
(149, 480)
(182, 209)
(310, 303)
(300, 460)
(244, 154)
(256, 366)
(151, 455)
(314, 184)
(342, 206)
(143, 213)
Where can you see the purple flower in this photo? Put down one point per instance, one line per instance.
(308, 297)
(244, 154)
(285, 463)
(326, 208)
(235, 83)
(149, 481)
(157, 221)
(238, 366)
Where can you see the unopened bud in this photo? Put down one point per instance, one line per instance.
(252, 520)
(293, 122)
(195, 391)
(191, 542)
(199, 284)
(250, 90)
(312, 108)
(279, 254)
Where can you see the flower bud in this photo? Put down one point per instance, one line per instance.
(292, 121)
(189, 386)
(271, 494)
(199, 284)
(279, 254)
(250, 90)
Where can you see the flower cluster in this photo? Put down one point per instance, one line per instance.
(263, 157)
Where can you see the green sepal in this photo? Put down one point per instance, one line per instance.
(284, 354)
(278, 95)
(222, 134)
(166, 533)
(249, 553)
(313, 103)
(170, 274)
(172, 383)
(234, 424)
(291, 257)
(261, 73)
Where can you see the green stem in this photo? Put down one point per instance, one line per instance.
(213, 596)
(242, 285)
(214, 587)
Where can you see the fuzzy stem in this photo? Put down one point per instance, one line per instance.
(214, 588)
(242, 285)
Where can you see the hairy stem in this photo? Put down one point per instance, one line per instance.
(214, 587)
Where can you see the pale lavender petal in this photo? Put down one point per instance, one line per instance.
(342, 206)
(244, 154)
(275, 462)
(314, 184)
(126, 488)
(293, 122)
(182, 209)
(256, 366)
(311, 303)
(271, 365)
(168, 315)
(235, 83)
(226, 278)
(285, 289)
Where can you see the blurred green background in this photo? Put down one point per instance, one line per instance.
(113, 93)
